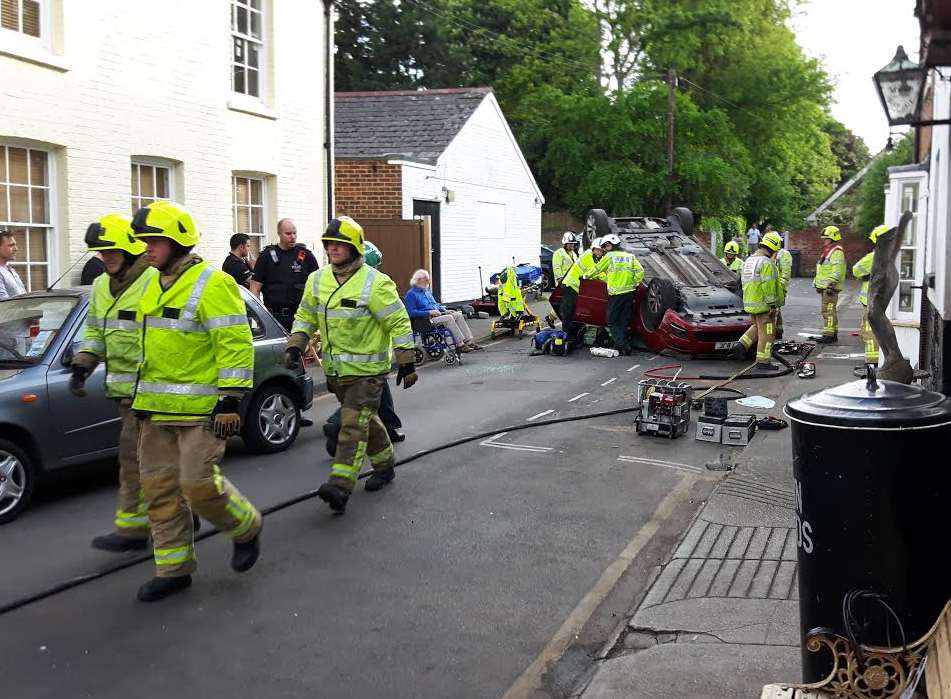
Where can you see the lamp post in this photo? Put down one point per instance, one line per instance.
(901, 85)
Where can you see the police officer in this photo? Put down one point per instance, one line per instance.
(625, 273)
(281, 272)
(237, 262)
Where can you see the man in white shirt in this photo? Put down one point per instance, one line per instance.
(752, 237)
(10, 282)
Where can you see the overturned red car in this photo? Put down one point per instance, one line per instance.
(689, 302)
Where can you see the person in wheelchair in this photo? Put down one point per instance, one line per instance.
(422, 307)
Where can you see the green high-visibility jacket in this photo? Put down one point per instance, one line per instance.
(830, 270)
(359, 320)
(863, 270)
(736, 266)
(761, 289)
(196, 345)
(582, 268)
(114, 334)
(623, 269)
(510, 299)
(783, 262)
(561, 262)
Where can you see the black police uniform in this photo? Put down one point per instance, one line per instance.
(238, 268)
(282, 275)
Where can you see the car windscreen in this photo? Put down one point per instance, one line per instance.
(29, 324)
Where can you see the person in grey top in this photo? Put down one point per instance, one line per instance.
(752, 237)
(10, 282)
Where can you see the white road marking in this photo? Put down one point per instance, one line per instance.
(634, 367)
(535, 417)
(665, 464)
(580, 395)
(612, 380)
(490, 442)
(530, 680)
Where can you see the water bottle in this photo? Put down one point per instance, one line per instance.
(604, 352)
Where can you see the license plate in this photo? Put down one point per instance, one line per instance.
(723, 345)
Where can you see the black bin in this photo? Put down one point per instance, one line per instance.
(873, 494)
(796, 262)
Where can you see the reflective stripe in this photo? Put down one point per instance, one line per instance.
(316, 290)
(244, 512)
(173, 556)
(362, 358)
(368, 287)
(225, 321)
(116, 324)
(344, 471)
(302, 326)
(96, 320)
(309, 307)
(181, 389)
(192, 304)
(93, 346)
(131, 520)
(120, 378)
(348, 312)
(389, 310)
(236, 374)
(382, 456)
(403, 340)
(185, 326)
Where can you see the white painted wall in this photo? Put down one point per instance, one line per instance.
(119, 79)
(491, 182)
(939, 187)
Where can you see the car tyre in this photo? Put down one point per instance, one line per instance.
(597, 224)
(17, 480)
(661, 296)
(273, 420)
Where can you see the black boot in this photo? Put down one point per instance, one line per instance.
(246, 555)
(380, 479)
(828, 339)
(160, 588)
(335, 496)
(396, 434)
(117, 543)
(739, 351)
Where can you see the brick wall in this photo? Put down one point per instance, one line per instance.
(368, 189)
(809, 244)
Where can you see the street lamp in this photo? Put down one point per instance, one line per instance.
(900, 86)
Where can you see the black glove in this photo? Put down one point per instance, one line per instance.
(406, 374)
(78, 380)
(293, 357)
(226, 418)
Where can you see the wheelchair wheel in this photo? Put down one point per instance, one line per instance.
(434, 352)
(420, 356)
(451, 358)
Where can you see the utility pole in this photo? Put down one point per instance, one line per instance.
(671, 107)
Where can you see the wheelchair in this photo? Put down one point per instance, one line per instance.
(434, 343)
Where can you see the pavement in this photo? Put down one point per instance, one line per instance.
(554, 561)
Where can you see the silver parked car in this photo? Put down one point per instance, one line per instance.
(44, 427)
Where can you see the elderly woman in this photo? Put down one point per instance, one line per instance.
(420, 303)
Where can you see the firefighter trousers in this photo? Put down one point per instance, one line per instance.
(761, 333)
(132, 519)
(830, 314)
(180, 467)
(362, 433)
(869, 340)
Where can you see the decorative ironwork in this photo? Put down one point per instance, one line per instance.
(881, 674)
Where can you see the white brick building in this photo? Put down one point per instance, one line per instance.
(106, 105)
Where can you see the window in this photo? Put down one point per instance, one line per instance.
(21, 16)
(25, 210)
(247, 206)
(247, 37)
(909, 252)
(149, 183)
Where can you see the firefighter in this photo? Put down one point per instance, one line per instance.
(198, 361)
(624, 274)
(583, 267)
(830, 274)
(731, 257)
(511, 302)
(112, 336)
(863, 270)
(360, 317)
(783, 261)
(564, 257)
(762, 295)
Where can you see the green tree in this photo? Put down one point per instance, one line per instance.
(871, 207)
(850, 151)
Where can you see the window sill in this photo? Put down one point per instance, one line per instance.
(250, 105)
(32, 51)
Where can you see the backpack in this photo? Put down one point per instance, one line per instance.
(555, 342)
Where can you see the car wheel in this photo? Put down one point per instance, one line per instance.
(273, 420)
(597, 224)
(661, 296)
(17, 478)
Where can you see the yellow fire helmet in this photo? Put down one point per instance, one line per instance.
(113, 232)
(877, 231)
(344, 230)
(732, 248)
(772, 240)
(166, 219)
(831, 233)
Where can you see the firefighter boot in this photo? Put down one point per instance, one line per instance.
(246, 554)
(335, 496)
(160, 588)
(380, 479)
(739, 351)
(117, 543)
